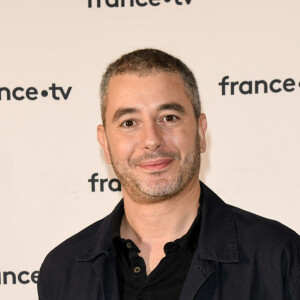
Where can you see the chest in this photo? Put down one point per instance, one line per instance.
(204, 281)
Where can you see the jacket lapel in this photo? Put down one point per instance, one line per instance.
(100, 254)
(216, 242)
(199, 272)
(105, 269)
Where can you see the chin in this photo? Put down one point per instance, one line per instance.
(159, 191)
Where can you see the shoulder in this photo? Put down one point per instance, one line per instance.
(66, 253)
(268, 243)
(75, 244)
(62, 260)
(248, 226)
(95, 238)
(66, 263)
(254, 233)
(266, 230)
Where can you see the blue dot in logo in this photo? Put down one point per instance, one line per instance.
(44, 93)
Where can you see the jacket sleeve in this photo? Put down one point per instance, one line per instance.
(42, 282)
(295, 291)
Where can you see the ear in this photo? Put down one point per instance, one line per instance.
(101, 137)
(202, 126)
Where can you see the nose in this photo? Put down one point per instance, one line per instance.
(151, 137)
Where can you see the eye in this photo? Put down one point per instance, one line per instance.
(128, 123)
(170, 118)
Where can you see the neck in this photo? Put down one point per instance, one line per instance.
(160, 222)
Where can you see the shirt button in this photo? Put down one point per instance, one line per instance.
(137, 270)
(128, 245)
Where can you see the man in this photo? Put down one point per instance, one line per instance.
(170, 237)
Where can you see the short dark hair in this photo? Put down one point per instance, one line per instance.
(145, 62)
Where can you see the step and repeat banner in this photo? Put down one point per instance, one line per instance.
(54, 180)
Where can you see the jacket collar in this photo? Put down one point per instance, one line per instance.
(102, 240)
(217, 238)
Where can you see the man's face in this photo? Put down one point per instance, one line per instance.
(152, 138)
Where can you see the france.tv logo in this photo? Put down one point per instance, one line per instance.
(133, 3)
(32, 93)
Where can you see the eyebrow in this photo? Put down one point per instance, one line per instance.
(172, 106)
(130, 110)
(123, 111)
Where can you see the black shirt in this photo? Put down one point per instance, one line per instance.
(166, 280)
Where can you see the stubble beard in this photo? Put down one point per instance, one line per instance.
(159, 189)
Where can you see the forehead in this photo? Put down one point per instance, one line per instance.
(144, 92)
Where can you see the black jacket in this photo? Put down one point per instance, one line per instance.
(240, 256)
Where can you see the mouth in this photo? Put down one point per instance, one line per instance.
(156, 165)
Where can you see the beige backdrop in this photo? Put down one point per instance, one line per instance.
(48, 147)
